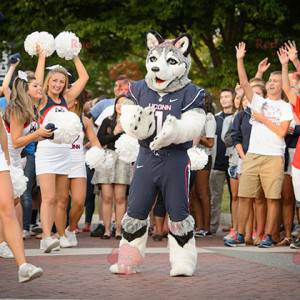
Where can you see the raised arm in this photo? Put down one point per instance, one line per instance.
(40, 68)
(5, 85)
(78, 86)
(293, 54)
(262, 67)
(240, 54)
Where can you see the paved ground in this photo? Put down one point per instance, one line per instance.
(222, 273)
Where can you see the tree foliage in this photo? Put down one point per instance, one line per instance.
(113, 31)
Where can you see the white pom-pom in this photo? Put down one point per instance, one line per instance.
(19, 181)
(68, 126)
(127, 148)
(97, 158)
(44, 39)
(67, 45)
(198, 158)
(31, 42)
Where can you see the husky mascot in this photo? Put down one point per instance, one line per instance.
(165, 118)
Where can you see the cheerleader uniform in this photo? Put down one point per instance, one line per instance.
(52, 158)
(78, 169)
(15, 153)
(3, 163)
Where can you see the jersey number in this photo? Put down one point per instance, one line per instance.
(159, 120)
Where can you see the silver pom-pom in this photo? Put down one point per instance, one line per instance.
(127, 148)
(44, 39)
(67, 45)
(198, 158)
(19, 181)
(68, 127)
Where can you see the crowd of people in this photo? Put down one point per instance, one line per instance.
(251, 143)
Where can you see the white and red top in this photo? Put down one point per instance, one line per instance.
(296, 161)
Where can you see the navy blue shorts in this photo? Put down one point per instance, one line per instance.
(164, 170)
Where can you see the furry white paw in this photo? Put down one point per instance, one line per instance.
(68, 127)
(183, 260)
(198, 158)
(19, 181)
(44, 39)
(127, 148)
(167, 136)
(137, 122)
(67, 45)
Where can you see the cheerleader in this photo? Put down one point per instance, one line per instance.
(53, 161)
(77, 175)
(12, 230)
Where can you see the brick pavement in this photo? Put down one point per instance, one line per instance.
(218, 276)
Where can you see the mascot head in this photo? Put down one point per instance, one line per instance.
(168, 62)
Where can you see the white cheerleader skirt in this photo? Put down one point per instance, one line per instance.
(78, 169)
(53, 160)
(3, 163)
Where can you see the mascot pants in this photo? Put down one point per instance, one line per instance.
(165, 170)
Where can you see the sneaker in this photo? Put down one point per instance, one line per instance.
(26, 235)
(49, 244)
(99, 231)
(295, 244)
(296, 230)
(64, 242)
(239, 241)
(71, 236)
(232, 235)
(198, 233)
(86, 228)
(5, 251)
(266, 242)
(254, 235)
(29, 272)
(35, 229)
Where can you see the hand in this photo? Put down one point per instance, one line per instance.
(15, 64)
(44, 133)
(240, 50)
(263, 66)
(40, 51)
(259, 117)
(291, 50)
(283, 56)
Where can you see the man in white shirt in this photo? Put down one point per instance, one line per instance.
(263, 166)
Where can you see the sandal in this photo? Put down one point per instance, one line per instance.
(285, 242)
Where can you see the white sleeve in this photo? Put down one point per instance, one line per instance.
(210, 126)
(286, 112)
(257, 102)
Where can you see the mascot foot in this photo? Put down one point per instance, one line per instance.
(183, 259)
(123, 270)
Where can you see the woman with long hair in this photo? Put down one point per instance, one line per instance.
(113, 182)
(53, 161)
(77, 175)
(8, 218)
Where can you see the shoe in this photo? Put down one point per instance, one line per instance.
(29, 272)
(36, 229)
(64, 242)
(106, 237)
(285, 242)
(205, 233)
(239, 241)
(296, 230)
(257, 241)
(118, 237)
(254, 235)
(157, 237)
(86, 228)
(99, 231)
(295, 244)
(26, 235)
(266, 242)
(71, 236)
(49, 244)
(5, 251)
(232, 235)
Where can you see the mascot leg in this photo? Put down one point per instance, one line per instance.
(132, 246)
(182, 247)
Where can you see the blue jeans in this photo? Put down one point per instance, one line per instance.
(26, 198)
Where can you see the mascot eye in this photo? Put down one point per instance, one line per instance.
(171, 61)
(153, 59)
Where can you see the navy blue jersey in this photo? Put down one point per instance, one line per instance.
(174, 104)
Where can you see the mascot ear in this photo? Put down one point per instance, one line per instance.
(153, 39)
(183, 43)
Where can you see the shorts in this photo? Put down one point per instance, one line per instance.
(53, 160)
(78, 169)
(119, 173)
(296, 184)
(3, 163)
(261, 171)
